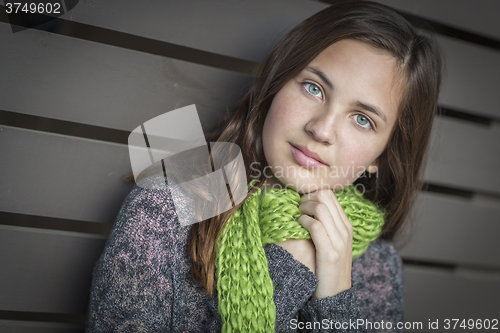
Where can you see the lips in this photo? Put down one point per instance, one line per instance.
(306, 157)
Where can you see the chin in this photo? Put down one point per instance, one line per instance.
(319, 184)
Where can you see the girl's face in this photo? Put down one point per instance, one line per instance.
(340, 110)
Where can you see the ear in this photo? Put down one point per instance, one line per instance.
(373, 167)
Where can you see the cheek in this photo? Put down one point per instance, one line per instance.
(270, 127)
(284, 108)
(270, 132)
(283, 115)
(361, 153)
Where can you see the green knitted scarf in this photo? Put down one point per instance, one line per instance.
(245, 289)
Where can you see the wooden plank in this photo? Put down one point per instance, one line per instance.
(454, 230)
(431, 294)
(478, 16)
(59, 176)
(464, 155)
(46, 271)
(472, 78)
(76, 80)
(244, 29)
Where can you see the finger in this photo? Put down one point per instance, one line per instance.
(333, 203)
(328, 198)
(319, 211)
(322, 239)
(329, 248)
(323, 196)
(342, 213)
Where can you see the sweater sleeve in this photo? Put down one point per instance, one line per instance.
(296, 310)
(141, 281)
(338, 313)
(293, 283)
(375, 296)
(132, 284)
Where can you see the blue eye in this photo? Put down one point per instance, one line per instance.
(313, 89)
(362, 121)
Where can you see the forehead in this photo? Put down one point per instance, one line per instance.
(362, 72)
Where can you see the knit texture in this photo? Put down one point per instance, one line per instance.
(244, 286)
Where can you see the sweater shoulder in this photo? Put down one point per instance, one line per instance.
(382, 251)
(148, 220)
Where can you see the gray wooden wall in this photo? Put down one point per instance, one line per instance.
(72, 90)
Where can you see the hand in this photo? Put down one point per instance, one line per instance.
(331, 232)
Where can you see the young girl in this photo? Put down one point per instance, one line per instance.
(347, 98)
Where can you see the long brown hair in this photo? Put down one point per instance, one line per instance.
(401, 163)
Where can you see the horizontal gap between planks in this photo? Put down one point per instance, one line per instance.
(477, 272)
(64, 127)
(429, 264)
(54, 223)
(466, 116)
(45, 317)
(448, 190)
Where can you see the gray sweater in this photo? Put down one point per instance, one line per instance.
(142, 282)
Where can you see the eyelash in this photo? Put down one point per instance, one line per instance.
(371, 128)
(304, 84)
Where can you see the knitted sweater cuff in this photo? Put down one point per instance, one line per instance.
(294, 283)
(339, 312)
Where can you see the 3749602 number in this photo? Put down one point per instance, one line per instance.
(38, 8)
(485, 324)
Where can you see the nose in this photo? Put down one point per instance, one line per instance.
(322, 128)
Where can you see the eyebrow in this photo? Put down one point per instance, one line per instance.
(321, 75)
(359, 104)
(371, 108)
